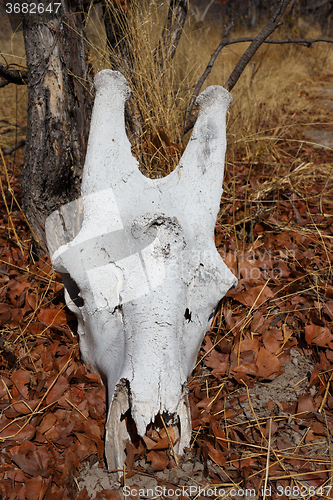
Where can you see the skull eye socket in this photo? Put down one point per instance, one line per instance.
(73, 290)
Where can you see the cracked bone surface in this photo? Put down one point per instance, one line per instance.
(140, 266)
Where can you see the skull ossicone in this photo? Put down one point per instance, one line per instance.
(140, 266)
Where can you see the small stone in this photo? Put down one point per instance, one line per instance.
(148, 483)
(198, 467)
(179, 473)
(188, 468)
(172, 476)
(105, 483)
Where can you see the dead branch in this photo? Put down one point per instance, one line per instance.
(189, 124)
(9, 151)
(206, 72)
(257, 42)
(307, 42)
(16, 76)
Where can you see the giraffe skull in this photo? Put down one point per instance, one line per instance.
(139, 263)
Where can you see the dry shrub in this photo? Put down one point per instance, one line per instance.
(161, 87)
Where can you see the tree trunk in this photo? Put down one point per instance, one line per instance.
(59, 111)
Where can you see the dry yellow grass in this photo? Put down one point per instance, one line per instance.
(269, 91)
(268, 103)
(13, 98)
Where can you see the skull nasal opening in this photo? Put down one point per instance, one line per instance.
(188, 315)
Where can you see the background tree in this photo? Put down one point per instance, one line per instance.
(59, 109)
(60, 91)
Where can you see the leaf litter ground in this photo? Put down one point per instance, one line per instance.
(261, 392)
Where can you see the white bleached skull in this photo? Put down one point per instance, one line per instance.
(139, 263)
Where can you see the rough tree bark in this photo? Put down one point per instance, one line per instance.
(59, 110)
(120, 57)
(172, 31)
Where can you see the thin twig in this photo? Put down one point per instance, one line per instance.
(268, 457)
(270, 27)
(207, 71)
(326, 393)
(170, 441)
(299, 41)
(172, 31)
(18, 77)
(9, 151)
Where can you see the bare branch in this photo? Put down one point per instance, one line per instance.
(242, 63)
(206, 72)
(307, 42)
(3, 83)
(257, 42)
(9, 151)
(18, 77)
(189, 124)
(172, 30)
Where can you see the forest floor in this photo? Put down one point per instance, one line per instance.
(261, 394)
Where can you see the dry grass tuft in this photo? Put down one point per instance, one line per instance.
(161, 88)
